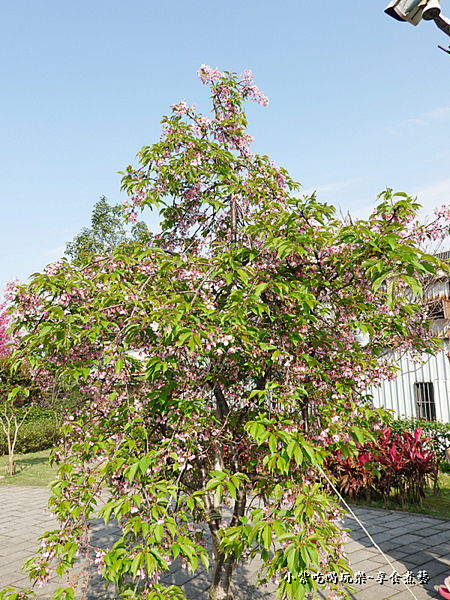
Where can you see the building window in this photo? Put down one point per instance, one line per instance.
(426, 408)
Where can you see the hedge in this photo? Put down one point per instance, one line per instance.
(36, 414)
(32, 437)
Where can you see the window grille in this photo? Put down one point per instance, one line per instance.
(443, 255)
(426, 408)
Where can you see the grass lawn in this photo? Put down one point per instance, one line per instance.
(31, 469)
(434, 505)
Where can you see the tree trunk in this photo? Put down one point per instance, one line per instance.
(304, 407)
(223, 569)
(12, 440)
(436, 478)
(11, 443)
(223, 565)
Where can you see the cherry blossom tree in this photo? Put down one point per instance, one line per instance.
(220, 363)
(4, 338)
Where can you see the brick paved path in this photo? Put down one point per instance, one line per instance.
(412, 542)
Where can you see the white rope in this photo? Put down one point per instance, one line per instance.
(366, 532)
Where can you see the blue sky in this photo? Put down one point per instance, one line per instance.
(358, 102)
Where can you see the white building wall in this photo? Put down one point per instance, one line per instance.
(399, 394)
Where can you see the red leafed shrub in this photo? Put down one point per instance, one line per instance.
(353, 475)
(395, 462)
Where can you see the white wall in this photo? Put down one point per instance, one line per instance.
(399, 395)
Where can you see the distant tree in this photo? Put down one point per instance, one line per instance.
(18, 393)
(107, 232)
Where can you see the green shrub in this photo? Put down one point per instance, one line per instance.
(32, 437)
(36, 414)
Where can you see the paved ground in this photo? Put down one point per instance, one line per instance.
(413, 544)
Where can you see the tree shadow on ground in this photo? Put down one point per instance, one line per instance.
(24, 463)
(412, 542)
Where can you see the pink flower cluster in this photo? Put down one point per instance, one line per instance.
(182, 108)
(209, 75)
(252, 91)
(4, 337)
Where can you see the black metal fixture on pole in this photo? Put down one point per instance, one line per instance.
(413, 11)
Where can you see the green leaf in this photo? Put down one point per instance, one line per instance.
(137, 499)
(72, 552)
(118, 366)
(260, 289)
(183, 337)
(278, 528)
(231, 488)
(414, 284)
(45, 330)
(314, 554)
(291, 554)
(379, 280)
(150, 562)
(144, 463)
(135, 564)
(9, 595)
(219, 493)
(159, 531)
(145, 528)
(273, 440)
(131, 472)
(267, 536)
(310, 452)
(205, 560)
(254, 532)
(286, 536)
(391, 294)
(243, 275)
(357, 434)
(298, 454)
(106, 511)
